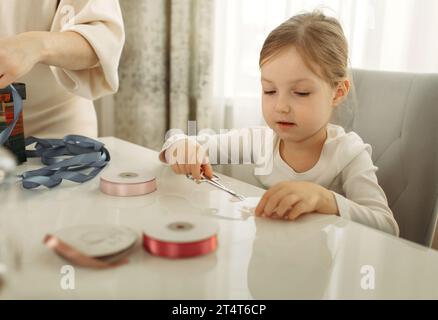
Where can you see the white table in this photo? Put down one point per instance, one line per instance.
(315, 257)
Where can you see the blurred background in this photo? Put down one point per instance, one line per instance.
(198, 59)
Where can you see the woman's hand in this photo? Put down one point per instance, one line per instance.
(18, 55)
(291, 199)
(188, 157)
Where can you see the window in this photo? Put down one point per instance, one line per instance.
(395, 35)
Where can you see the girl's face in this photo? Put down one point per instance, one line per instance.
(296, 103)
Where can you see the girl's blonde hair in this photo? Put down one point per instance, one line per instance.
(319, 40)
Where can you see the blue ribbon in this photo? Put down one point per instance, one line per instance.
(86, 155)
(18, 106)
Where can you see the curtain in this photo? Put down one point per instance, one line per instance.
(165, 71)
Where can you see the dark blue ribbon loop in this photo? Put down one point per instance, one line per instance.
(74, 158)
(87, 157)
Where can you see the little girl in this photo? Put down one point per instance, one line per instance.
(317, 166)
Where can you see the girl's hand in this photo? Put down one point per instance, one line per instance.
(188, 157)
(291, 199)
(18, 55)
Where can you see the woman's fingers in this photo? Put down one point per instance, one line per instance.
(5, 80)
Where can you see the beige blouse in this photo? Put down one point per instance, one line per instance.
(59, 102)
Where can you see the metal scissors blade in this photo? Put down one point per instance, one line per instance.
(221, 186)
(215, 181)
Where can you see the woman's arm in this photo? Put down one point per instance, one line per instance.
(67, 50)
(20, 53)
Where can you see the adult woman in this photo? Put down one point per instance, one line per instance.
(67, 53)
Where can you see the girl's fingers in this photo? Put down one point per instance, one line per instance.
(188, 169)
(195, 170)
(286, 204)
(261, 205)
(275, 216)
(265, 198)
(194, 167)
(208, 170)
(274, 200)
(181, 168)
(175, 169)
(297, 210)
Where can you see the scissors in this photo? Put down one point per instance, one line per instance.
(215, 181)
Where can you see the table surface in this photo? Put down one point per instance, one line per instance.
(317, 256)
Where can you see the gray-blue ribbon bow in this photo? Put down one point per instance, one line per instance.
(86, 155)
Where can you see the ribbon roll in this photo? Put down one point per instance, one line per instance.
(127, 184)
(93, 246)
(18, 107)
(174, 236)
(88, 158)
(78, 258)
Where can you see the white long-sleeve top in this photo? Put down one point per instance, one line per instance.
(345, 167)
(59, 101)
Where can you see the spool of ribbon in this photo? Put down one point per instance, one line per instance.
(174, 237)
(78, 258)
(93, 246)
(127, 184)
(87, 158)
(18, 107)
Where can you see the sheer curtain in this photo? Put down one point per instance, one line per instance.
(165, 71)
(394, 35)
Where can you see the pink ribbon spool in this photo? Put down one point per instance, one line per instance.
(127, 184)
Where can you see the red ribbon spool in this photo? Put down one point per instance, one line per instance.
(179, 250)
(174, 236)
